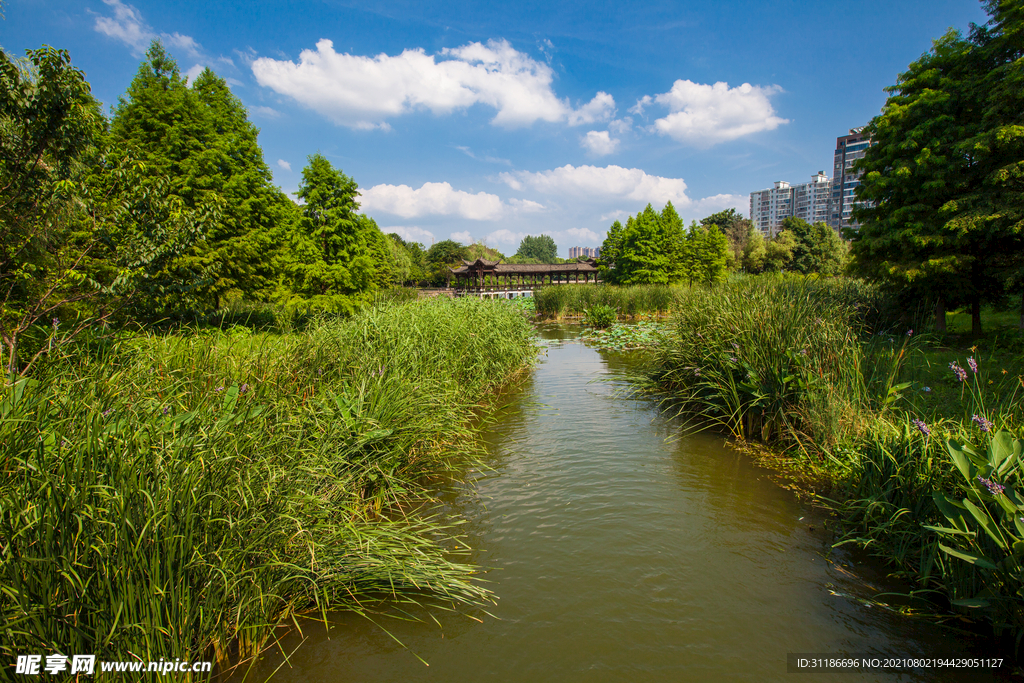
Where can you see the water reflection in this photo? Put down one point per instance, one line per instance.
(620, 551)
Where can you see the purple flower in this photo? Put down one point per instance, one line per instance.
(960, 373)
(985, 425)
(910, 333)
(803, 352)
(993, 487)
(244, 388)
(166, 409)
(56, 324)
(973, 365)
(921, 427)
(734, 359)
(107, 412)
(735, 345)
(219, 389)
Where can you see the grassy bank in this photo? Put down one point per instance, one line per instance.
(561, 301)
(183, 496)
(829, 374)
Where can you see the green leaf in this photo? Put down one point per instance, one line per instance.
(977, 560)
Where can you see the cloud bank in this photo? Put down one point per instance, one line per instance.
(362, 92)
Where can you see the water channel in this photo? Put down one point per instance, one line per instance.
(621, 551)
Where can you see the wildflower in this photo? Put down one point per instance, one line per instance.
(244, 388)
(219, 389)
(974, 349)
(803, 352)
(960, 373)
(973, 364)
(983, 424)
(737, 346)
(1004, 371)
(107, 412)
(56, 324)
(926, 389)
(994, 488)
(734, 359)
(910, 333)
(922, 427)
(166, 409)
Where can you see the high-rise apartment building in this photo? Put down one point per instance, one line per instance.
(809, 201)
(584, 252)
(849, 148)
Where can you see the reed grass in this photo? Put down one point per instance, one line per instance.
(558, 301)
(184, 496)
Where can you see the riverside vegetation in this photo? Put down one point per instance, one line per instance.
(921, 461)
(186, 495)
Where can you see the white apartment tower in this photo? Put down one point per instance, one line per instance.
(809, 201)
(849, 148)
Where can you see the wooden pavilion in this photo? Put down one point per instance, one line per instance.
(483, 275)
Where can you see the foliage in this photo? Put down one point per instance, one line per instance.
(621, 337)
(539, 247)
(600, 316)
(245, 480)
(333, 262)
(943, 177)
(481, 250)
(409, 261)
(201, 139)
(737, 230)
(574, 299)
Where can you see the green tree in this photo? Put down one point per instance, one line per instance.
(539, 247)
(333, 264)
(737, 231)
(444, 255)
(817, 248)
(201, 138)
(779, 252)
(944, 178)
(49, 124)
(754, 253)
(706, 254)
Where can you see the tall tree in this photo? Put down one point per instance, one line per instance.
(201, 138)
(945, 177)
(333, 264)
(541, 248)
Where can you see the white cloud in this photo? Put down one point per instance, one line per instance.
(126, 25)
(361, 92)
(186, 43)
(616, 215)
(463, 237)
(620, 126)
(584, 235)
(599, 143)
(610, 182)
(432, 198)
(267, 112)
(192, 74)
(601, 108)
(489, 159)
(505, 237)
(638, 108)
(281, 163)
(720, 202)
(525, 205)
(703, 115)
(411, 233)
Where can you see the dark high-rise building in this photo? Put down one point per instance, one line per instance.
(849, 148)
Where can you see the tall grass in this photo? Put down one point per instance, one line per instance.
(828, 373)
(558, 301)
(184, 496)
(777, 359)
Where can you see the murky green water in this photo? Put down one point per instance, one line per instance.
(621, 552)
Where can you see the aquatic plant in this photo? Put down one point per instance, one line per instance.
(185, 495)
(600, 316)
(574, 300)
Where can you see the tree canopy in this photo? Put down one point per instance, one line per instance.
(540, 248)
(944, 178)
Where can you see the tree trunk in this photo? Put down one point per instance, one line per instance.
(940, 316)
(976, 316)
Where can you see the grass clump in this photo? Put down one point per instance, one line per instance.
(559, 301)
(182, 496)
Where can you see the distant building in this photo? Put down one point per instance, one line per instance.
(809, 201)
(584, 252)
(849, 148)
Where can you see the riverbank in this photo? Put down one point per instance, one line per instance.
(825, 375)
(184, 495)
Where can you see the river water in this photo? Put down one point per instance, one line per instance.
(622, 551)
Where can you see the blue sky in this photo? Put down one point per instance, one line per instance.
(488, 121)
